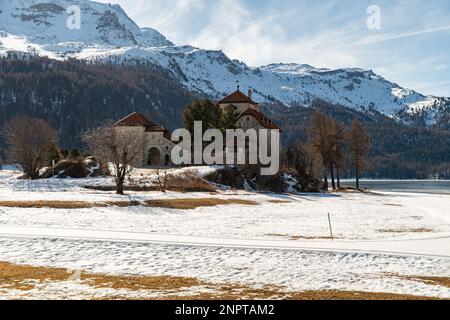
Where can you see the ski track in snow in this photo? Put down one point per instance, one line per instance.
(437, 247)
(295, 270)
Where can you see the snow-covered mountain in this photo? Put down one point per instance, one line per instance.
(39, 26)
(42, 25)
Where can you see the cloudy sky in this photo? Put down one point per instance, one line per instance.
(410, 47)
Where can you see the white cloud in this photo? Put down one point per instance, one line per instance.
(374, 39)
(262, 39)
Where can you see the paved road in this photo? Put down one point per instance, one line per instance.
(439, 246)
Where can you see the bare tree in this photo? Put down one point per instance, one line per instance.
(162, 182)
(319, 141)
(28, 141)
(326, 138)
(359, 145)
(337, 141)
(122, 148)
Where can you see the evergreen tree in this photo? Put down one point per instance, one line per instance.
(205, 111)
(228, 119)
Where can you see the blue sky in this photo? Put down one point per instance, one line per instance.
(412, 47)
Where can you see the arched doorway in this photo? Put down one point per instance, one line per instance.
(154, 157)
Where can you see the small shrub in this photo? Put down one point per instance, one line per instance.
(75, 153)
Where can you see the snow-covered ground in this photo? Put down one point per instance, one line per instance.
(282, 241)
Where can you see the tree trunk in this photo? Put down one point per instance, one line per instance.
(338, 178)
(119, 186)
(357, 176)
(333, 183)
(325, 181)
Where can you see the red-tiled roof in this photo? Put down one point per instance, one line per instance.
(237, 97)
(262, 119)
(139, 120)
(135, 120)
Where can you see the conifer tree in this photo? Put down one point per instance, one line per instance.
(205, 111)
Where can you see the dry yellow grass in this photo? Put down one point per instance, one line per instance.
(278, 201)
(353, 295)
(419, 230)
(49, 204)
(141, 282)
(65, 204)
(187, 204)
(434, 281)
(310, 238)
(393, 205)
(267, 294)
(183, 204)
(24, 278)
(293, 238)
(17, 277)
(178, 183)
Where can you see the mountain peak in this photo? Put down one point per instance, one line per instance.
(292, 68)
(153, 38)
(43, 22)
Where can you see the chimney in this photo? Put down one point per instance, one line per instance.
(250, 93)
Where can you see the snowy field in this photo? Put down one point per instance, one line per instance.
(283, 241)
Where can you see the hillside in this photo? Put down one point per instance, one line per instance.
(73, 95)
(398, 151)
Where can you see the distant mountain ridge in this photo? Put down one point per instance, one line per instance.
(73, 95)
(107, 33)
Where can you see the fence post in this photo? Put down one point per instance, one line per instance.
(331, 229)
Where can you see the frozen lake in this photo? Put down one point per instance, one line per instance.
(412, 186)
